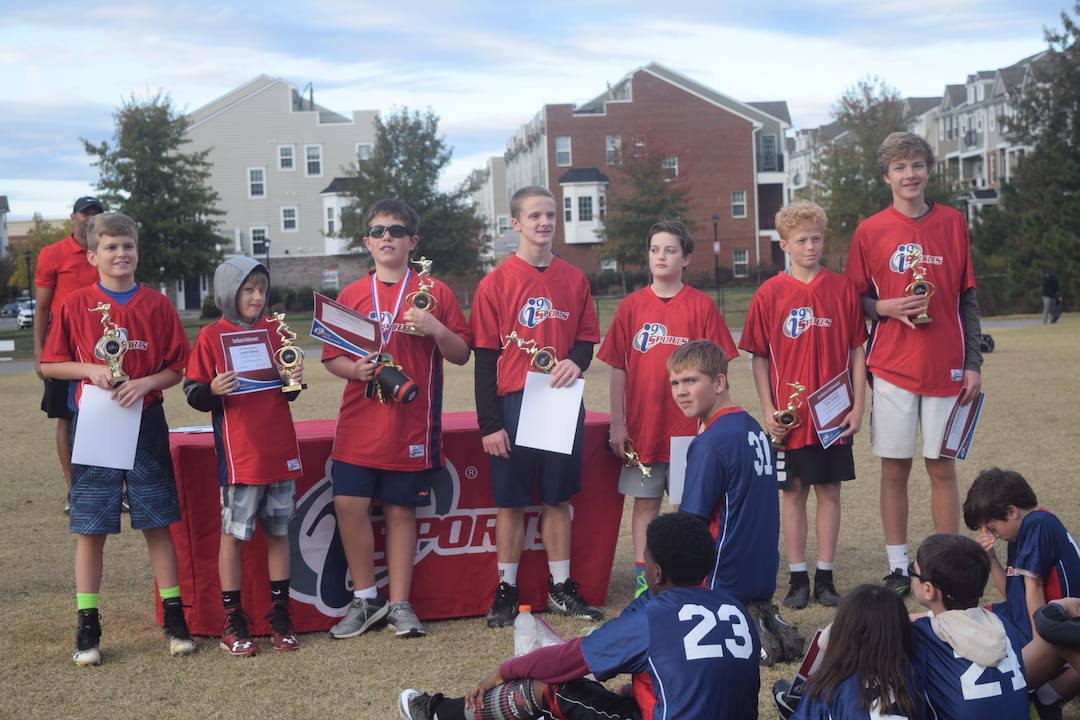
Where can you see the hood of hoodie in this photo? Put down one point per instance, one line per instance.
(228, 278)
(976, 634)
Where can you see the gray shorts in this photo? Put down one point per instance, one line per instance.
(273, 504)
(634, 484)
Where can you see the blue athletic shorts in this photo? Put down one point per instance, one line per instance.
(151, 486)
(513, 479)
(395, 487)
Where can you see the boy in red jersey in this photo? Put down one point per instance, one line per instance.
(260, 458)
(545, 299)
(158, 351)
(386, 449)
(649, 324)
(805, 327)
(919, 369)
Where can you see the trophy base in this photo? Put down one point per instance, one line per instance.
(121, 378)
(414, 332)
(777, 443)
(922, 320)
(294, 388)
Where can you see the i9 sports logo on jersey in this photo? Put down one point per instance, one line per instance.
(537, 310)
(908, 254)
(652, 334)
(799, 320)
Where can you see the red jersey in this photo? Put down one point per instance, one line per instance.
(155, 336)
(644, 333)
(63, 267)
(393, 435)
(254, 431)
(807, 331)
(551, 305)
(928, 360)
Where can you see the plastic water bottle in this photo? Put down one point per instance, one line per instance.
(526, 633)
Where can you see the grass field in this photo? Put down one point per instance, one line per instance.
(1030, 423)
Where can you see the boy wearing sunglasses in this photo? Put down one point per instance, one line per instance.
(385, 449)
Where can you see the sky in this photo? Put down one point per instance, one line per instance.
(484, 67)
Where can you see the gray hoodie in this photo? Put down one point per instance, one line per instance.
(228, 278)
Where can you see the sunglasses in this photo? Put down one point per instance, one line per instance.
(396, 231)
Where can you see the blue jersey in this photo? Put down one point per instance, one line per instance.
(698, 648)
(844, 705)
(959, 689)
(731, 481)
(1043, 549)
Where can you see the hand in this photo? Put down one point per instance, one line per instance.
(474, 696)
(902, 308)
(565, 373)
(224, 383)
(130, 392)
(364, 369)
(971, 386)
(497, 444)
(297, 375)
(617, 437)
(37, 369)
(101, 376)
(852, 421)
(772, 427)
(422, 321)
(986, 540)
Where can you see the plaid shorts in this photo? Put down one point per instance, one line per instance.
(274, 504)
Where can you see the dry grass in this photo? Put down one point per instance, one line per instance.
(1030, 423)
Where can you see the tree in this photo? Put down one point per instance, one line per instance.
(640, 197)
(408, 157)
(1036, 226)
(145, 175)
(41, 233)
(848, 183)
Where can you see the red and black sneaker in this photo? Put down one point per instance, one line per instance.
(236, 639)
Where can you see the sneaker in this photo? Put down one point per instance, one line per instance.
(235, 637)
(771, 650)
(798, 596)
(898, 582)
(176, 629)
(786, 701)
(363, 614)
(125, 505)
(404, 621)
(1042, 711)
(825, 593)
(504, 608)
(641, 586)
(791, 642)
(88, 638)
(281, 629)
(67, 504)
(415, 705)
(566, 599)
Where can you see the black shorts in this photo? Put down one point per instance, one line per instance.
(588, 700)
(814, 465)
(55, 399)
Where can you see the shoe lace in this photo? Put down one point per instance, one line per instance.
(236, 623)
(280, 622)
(569, 593)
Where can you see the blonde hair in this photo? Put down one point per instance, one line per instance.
(527, 192)
(703, 355)
(799, 214)
(111, 223)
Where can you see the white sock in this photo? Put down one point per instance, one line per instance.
(508, 573)
(366, 594)
(822, 565)
(898, 559)
(797, 567)
(1047, 695)
(560, 571)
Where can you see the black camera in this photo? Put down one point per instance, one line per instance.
(392, 383)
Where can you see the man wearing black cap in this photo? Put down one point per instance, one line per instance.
(61, 268)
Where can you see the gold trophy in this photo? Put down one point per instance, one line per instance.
(113, 344)
(422, 299)
(919, 286)
(788, 417)
(631, 459)
(543, 358)
(289, 355)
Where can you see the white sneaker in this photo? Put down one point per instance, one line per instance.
(404, 620)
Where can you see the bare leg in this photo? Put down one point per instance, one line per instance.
(509, 534)
(827, 520)
(793, 519)
(89, 553)
(894, 499)
(277, 557)
(645, 511)
(556, 531)
(229, 562)
(63, 448)
(400, 549)
(944, 495)
(357, 538)
(159, 546)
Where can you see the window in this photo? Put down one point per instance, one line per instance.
(602, 202)
(738, 203)
(259, 244)
(740, 266)
(992, 117)
(979, 119)
(288, 219)
(503, 223)
(363, 151)
(313, 155)
(767, 161)
(671, 167)
(568, 210)
(256, 182)
(609, 265)
(329, 221)
(562, 151)
(286, 157)
(584, 208)
(980, 92)
(612, 145)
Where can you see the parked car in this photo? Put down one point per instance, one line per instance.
(10, 310)
(26, 318)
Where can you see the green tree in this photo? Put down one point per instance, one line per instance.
(1036, 226)
(848, 183)
(638, 197)
(145, 175)
(408, 157)
(41, 233)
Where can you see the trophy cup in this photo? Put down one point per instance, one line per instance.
(788, 417)
(422, 299)
(288, 356)
(113, 344)
(919, 286)
(631, 459)
(543, 358)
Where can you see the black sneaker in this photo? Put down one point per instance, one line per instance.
(88, 638)
(176, 629)
(825, 593)
(786, 701)
(792, 643)
(565, 599)
(125, 505)
(898, 582)
(415, 705)
(505, 606)
(798, 596)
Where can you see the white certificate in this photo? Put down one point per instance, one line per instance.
(680, 446)
(105, 433)
(246, 358)
(828, 406)
(960, 428)
(548, 419)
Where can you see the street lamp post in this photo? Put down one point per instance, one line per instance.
(716, 260)
(29, 278)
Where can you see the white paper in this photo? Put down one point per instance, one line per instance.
(956, 429)
(246, 358)
(105, 434)
(548, 419)
(680, 445)
(833, 405)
